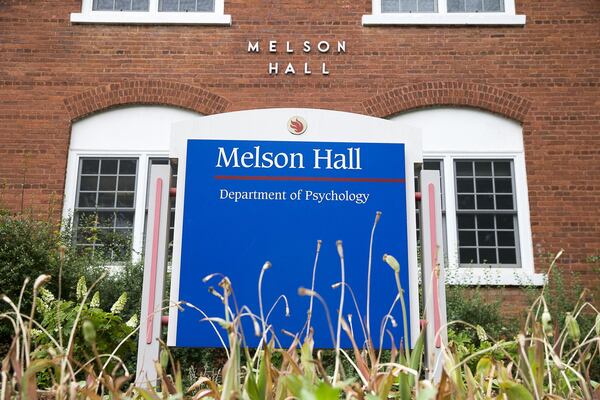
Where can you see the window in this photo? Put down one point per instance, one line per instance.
(107, 176)
(475, 6)
(480, 156)
(443, 12)
(120, 5)
(207, 12)
(104, 210)
(486, 213)
(186, 5)
(394, 6)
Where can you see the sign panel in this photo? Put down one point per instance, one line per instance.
(243, 202)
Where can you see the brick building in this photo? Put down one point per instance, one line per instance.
(506, 93)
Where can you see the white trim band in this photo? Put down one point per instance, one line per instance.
(443, 19)
(157, 18)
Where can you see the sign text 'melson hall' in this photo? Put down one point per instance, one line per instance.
(322, 159)
(274, 47)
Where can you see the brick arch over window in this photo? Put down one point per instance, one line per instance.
(145, 92)
(430, 94)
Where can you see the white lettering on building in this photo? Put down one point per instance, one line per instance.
(322, 47)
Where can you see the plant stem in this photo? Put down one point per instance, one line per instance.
(404, 319)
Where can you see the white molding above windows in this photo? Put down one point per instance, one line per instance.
(151, 16)
(137, 132)
(441, 16)
(451, 134)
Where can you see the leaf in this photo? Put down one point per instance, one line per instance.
(484, 365)
(264, 375)
(326, 392)
(416, 356)
(251, 388)
(427, 391)
(515, 391)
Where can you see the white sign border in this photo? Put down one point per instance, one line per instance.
(271, 125)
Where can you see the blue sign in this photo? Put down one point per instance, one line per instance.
(248, 202)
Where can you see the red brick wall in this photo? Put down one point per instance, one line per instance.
(546, 75)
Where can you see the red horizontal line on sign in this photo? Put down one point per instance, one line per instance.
(305, 179)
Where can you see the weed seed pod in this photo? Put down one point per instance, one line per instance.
(89, 331)
(572, 327)
(547, 322)
(392, 262)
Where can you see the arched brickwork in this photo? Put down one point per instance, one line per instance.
(145, 92)
(447, 94)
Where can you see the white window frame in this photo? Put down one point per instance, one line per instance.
(152, 16)
(451, 134)
(140, 132)
(443, 17)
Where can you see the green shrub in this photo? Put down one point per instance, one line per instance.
(30, 247)
(97, 333)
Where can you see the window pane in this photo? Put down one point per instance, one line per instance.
(505, 221)
(124, 219)
(507, 256)
(483, 168)
(456, 5)
(125, 200)
(466, 202)
(106, 200)
(486, 238)
(169, 5)
(103, 5)
(466, 221)
(487, 256)
(493, 5)
(506, 238)
(464, 168)
(503, 185)
(390, 5)
(468, 256)
(427, 6)
(89, 166)
(187, 5)
(484, 185)
(105, 219)
(206, 5)
(467, 238)
(485, 202)
(408, 5)
(465, 185)
(108, 183)
(87, 200)
(108, 166)
(504, 202)
(127, 167)
(474, 5)
(502, 168)
(126, 183)
(88, 183)
(140, 5)
(122, 5)
(485, 221)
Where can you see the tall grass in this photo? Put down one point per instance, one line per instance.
(542, 362)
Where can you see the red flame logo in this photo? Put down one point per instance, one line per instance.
(296, 126)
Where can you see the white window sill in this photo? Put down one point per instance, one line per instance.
(443, 19)
(493, 277)
(156, 18)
